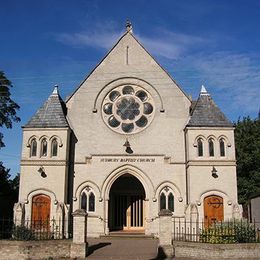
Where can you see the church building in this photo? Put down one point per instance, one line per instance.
(125, 144)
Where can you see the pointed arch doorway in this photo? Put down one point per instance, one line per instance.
(126, 209)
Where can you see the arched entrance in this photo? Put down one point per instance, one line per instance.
(213, 209)
(126, 204)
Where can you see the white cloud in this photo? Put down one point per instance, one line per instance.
(99, 36)
(171, 45)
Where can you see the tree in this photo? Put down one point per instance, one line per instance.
(247, 138)
(8, 107)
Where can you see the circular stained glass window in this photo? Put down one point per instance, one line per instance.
(128, 109)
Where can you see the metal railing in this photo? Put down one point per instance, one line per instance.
(34, 229)
(224, 232)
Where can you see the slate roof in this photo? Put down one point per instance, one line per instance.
(206, 113)
(51, 114)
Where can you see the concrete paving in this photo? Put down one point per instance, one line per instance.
(121, 248)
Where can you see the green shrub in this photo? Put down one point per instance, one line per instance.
(229, 232)
(22, 233)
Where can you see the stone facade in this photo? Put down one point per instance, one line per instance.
(128, 122)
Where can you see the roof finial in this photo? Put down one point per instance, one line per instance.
(203, 91)
(55, 90)
(129, 27)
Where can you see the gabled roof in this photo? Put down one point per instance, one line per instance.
(206, 113)
(51, 114)
(129, 32)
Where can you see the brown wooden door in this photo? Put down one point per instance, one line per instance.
(41, 211)
(213, 209)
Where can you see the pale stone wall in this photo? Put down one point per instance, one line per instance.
(54, 184)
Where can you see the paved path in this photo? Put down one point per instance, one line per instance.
(122, 248)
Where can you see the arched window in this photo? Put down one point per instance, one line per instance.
(162, 201)
(33, 147)
(91, 205)
(167, 199)
(222, 147)
(200, 147)
(84, 201)
(211, 147)
(171, 202)
(44, 147)
(54, 147)
(88, 200)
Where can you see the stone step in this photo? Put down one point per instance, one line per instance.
(127, 235)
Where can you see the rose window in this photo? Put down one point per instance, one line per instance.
(128, 109)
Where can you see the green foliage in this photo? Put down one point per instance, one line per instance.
(8, 107)
(247, 139)
(229, 232)
(22, 233)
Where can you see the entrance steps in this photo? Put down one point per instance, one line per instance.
(124, 234)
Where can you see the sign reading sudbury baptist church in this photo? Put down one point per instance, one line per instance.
(128, 160)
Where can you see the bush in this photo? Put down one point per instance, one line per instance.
(229, 232)
(22, 233)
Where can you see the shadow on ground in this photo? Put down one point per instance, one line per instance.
(160, 254)
(95, 247)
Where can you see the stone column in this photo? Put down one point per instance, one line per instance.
(79, 243)
(165, 248)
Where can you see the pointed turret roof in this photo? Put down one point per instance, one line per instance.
(51, 114)
(206, 113)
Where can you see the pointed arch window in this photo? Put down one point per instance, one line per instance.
(222, 147)
(171, 202)
(162, 201)
(91, 205)
(200, 147)
(44, 146)
(84, 201)
(167, 199)
(88, 200)
(33, 147)
(211, 147)
(54, 147)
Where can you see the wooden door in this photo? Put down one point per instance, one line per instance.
(127, 212)
(213, 210)
(41, 211)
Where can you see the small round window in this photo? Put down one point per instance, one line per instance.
(128, 109)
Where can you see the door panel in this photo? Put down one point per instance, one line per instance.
(41, 211)
(213, 210)
(127, 212)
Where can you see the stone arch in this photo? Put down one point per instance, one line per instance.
(29, 141)
(173, 187)
(44, 191)
(128, 80)
(57, 138)
(134, 171)
(81, 187)
(219, 193)
(197, 138)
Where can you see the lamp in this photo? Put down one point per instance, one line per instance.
(214, 172)
(41, 170)
(128, 148)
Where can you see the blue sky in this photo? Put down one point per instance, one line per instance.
(210, 42)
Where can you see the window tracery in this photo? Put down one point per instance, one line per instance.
(167, 199)
(88, 199)
(128, 109)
